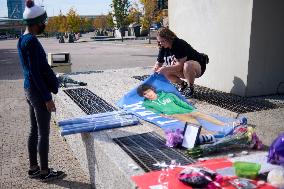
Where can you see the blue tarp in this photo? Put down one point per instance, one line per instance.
(132, 102)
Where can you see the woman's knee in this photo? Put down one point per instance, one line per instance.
(192, 67)
(171, 74)
(188, 65)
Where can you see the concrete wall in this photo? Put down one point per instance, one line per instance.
(220, 28)
(266, 62)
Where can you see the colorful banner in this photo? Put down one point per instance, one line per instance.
(170, 110)
(151, 179)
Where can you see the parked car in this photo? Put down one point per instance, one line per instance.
(3, 37)
(155, 26)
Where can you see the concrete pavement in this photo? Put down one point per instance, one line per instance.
(88, 56)
(14, 128)
(14, 120)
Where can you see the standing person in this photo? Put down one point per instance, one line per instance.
(39, 82)
(186, 62)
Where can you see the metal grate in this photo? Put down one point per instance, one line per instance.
(89, 102)
(141, 78)
(86, 72)
(227, 101)
(149, 148)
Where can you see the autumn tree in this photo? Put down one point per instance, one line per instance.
(151, 14)
(57, 24)
(100, 22)
(134, 14)
(120, 12)
(51, 26)
(70, 23)
(61, 21)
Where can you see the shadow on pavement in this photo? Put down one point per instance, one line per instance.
(71, 184)
(10, 68)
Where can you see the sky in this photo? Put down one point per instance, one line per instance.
(53, 7)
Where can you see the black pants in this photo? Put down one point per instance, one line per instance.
(203, 61)
(38, 141)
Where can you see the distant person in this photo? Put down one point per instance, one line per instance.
(61, 39)
(77, 36)
(70, 38)
(186, 62)
(38, 79)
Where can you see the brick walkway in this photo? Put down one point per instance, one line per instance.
(14, 127)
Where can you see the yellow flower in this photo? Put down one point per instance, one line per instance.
(250, 131)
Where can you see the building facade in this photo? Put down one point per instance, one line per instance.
(243, 38)
(15, 8)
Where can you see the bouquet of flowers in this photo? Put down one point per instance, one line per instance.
(174, 138)
(242, 137)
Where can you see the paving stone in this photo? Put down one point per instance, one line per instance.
(14, 120)
(14, 128)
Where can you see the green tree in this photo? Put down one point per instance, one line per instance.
(120, 12)
(110, 22)
(86, 24)
(73, 21)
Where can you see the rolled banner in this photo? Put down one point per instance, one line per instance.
(92, 128)
(99, 123)
(89, 118)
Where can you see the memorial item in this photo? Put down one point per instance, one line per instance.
(242, 137)
(276, 151)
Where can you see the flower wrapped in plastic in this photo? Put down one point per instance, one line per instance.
(242, 137)
(174, 138)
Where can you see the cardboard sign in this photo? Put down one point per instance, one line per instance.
(191, 135)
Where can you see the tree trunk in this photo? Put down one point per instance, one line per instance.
(121, 37)
(149, 35)
(121, 30)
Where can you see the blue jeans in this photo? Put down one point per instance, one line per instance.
(38, 141)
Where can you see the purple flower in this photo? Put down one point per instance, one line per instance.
(256, 143)
(174, 138)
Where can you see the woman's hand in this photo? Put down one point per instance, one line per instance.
(50, 106)
(157, 67)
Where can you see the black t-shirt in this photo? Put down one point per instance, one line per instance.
(180, 49)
